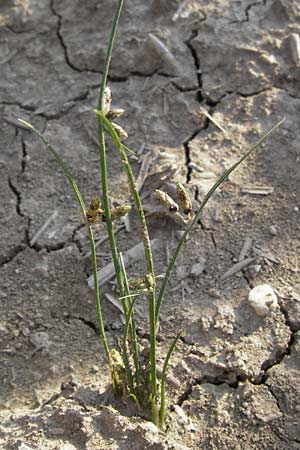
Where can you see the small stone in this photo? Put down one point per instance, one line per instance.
(3, 431)
(296, 209)
(179, 234)
(149, 426)
(192, 428)
(57, 431)
(116, 325)
(262, 298)
(182, 417)
(213, 292)
(67, 447)
(254, 270)
(273, 230)
(40, 339)
(73, 381)
(25, 331)
(182, 272)
(25, 447)
(198, 268)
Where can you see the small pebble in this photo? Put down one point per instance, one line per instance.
(25, 331)
(94, 369)
(254, 270)
(182, 272)
(179, 234)
(57, 431)
(67, 447)
(25, 447)
(273, 230)
(296, 209)
(198, 268)
(182, 417)
(192, 428)
(149, 426)
(262, 298)
(116, 325)
(294, 39)
(40, 339)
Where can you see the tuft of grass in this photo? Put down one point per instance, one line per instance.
(132, 377)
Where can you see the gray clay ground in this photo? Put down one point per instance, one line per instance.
(234, 380)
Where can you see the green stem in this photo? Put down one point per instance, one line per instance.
(148, 257)
(196, 217)
(90, 233)
(102, 150)
(98, 298)
(163, 381)
(151, 302)
(109, 54)
(131, 325)
(125, 336)
(150, 268)
(134, 192)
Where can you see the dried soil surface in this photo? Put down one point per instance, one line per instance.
(234, 379)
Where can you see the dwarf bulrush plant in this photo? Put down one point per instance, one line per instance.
(131, 376)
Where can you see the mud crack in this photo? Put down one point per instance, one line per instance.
(248, 9)
(216, 381)
(188, 155)
(196, 60)
(18, 196)
(85, 321)
(24, 156)
(261, 378)
(247, 12)
(60, 37)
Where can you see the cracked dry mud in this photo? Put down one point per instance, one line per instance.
(234, 379)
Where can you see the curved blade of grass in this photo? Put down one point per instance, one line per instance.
(102, 150)
(60, 162)
(163, 381)
(90, 233)
(202, 205)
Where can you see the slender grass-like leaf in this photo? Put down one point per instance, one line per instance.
(60, 162)
(131, 324)
(102, 149)
(148, 258)
(202, 205)
(163, 381)
(90, 234)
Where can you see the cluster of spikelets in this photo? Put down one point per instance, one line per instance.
(96, 214)
(182, 203)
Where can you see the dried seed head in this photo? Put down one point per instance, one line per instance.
(118, 212)
(94, 211)
(119, 130)
(95, 204)
(145, 284)
(184, 200)
(150, 280)
(116, 359)
(166, 201)
(137, 284)
(113, 113)
(107, 100)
